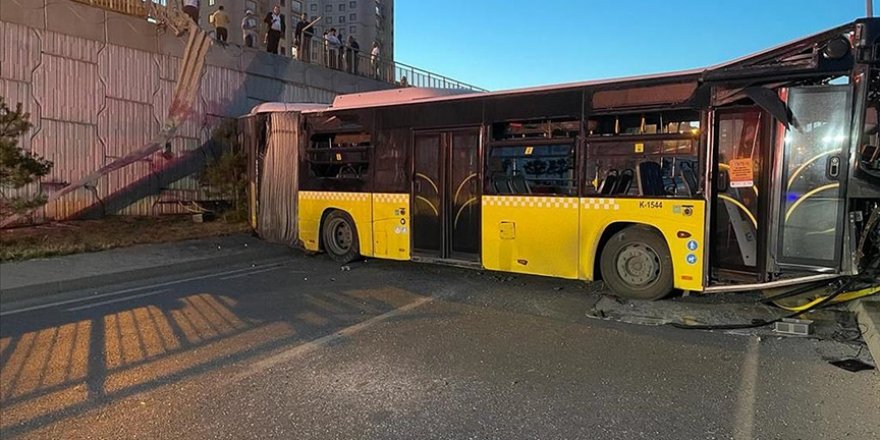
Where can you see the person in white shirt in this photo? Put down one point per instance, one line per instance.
(333, 45)
(249, 28)
(277, 27)
(191, 8)
(374, 59)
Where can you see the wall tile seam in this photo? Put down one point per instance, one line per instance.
(65, 121)
(158, 89)
(38, 126)
(104, 106)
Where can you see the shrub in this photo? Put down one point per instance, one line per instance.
(225, 175)
(18, 167)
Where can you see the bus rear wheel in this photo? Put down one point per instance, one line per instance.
(636, 264)
(340, 238)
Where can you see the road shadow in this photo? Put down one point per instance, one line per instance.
(61, 363)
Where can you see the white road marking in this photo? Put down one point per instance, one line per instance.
(247, 274)
(111, 301)
(308, 347)
(744, 413)
(135, 289)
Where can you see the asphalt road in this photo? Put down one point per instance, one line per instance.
(300, 349)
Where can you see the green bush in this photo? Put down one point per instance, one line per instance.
(18, 168)
(225, 175)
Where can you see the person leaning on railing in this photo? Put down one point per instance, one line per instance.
(302, 35)
(352, 53)
(374, 60)
(332, 44)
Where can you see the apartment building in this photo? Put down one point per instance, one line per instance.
(368, 20)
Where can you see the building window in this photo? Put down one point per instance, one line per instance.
(352, 17)
(313, 7)
(342, 7)
(328, 8)
(341, 19)
(352, 29)
(212, 2)
(329, 20)
(296, 7)
(352, 5)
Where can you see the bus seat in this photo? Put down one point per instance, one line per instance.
(608, 183)
(650, 179)
(624, 183)
(686, 169)
(519, 184)
(501, 184)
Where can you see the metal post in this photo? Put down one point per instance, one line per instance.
(869, 8)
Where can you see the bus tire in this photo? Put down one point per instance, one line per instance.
(636, 264)
(339, 237)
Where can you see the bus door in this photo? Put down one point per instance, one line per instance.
(445, 195)
(809, 209)
(741, 140)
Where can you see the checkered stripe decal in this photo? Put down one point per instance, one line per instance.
(390, 198)
(531, 202)
(601, 204)
(335, 196)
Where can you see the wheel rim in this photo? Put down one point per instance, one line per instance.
(638, 265)
(338, 236)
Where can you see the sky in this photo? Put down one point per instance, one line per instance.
(503, 44)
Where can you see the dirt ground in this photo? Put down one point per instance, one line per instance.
(72, 237)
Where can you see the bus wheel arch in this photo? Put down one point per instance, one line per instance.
(634, 261)
(338, 236)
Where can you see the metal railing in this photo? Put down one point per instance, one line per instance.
(361, 62)
(319, 53)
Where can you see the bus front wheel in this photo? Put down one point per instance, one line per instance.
(340, 238)
(636, 264)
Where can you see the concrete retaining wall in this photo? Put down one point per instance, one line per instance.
(98, 85)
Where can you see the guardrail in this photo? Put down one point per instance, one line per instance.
(363, 64)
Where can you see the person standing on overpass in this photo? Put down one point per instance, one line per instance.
(220, 20)
(277, 27)
(303, 38)
(191, 8)
(249, 28)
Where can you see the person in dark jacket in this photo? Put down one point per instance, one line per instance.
(301, 41)
(352, 54)
(277, 27)
(191, 8)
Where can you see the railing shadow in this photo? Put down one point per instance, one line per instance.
(69, 363)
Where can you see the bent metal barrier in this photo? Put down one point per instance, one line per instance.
(185, 91)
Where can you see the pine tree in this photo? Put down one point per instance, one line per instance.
(18, 168)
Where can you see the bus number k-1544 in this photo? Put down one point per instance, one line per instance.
(650, 204)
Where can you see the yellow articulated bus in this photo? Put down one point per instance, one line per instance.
(757, 173)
